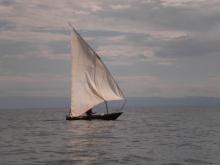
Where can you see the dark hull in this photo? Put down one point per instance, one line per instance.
(109, 116)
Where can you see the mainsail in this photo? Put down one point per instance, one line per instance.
(91, 83)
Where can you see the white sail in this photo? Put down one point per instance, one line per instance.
(91, 83)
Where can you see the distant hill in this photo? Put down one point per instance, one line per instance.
(62, 102)
(180, 101)
(34, 102)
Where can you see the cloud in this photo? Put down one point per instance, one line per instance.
(26, 50)
(155, 86)
(12, 47)
(161, 38)
(187, 3)
(6, 25)
(34, 85)
(187, 47)
(120, 7)
(28, 36)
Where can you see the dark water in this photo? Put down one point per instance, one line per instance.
(151, 136)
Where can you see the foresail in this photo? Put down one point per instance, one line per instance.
(91, 83)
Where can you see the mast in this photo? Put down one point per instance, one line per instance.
(106, 106)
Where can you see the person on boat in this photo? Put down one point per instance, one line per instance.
(89, 112)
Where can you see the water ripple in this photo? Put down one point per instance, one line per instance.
(152, 136)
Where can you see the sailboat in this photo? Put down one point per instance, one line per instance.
(91, 82)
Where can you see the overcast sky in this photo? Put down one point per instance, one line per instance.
(167, 48)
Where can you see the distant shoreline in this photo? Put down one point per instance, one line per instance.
(64, 102)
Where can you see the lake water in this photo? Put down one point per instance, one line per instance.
(149, 136)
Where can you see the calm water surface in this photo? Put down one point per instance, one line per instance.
(151, 136)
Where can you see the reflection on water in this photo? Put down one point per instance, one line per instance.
(166, 136)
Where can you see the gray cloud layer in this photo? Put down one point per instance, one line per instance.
(164, 47)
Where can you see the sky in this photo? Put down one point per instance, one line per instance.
(154, 48)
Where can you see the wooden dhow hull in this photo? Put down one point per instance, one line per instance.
(108, 116)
